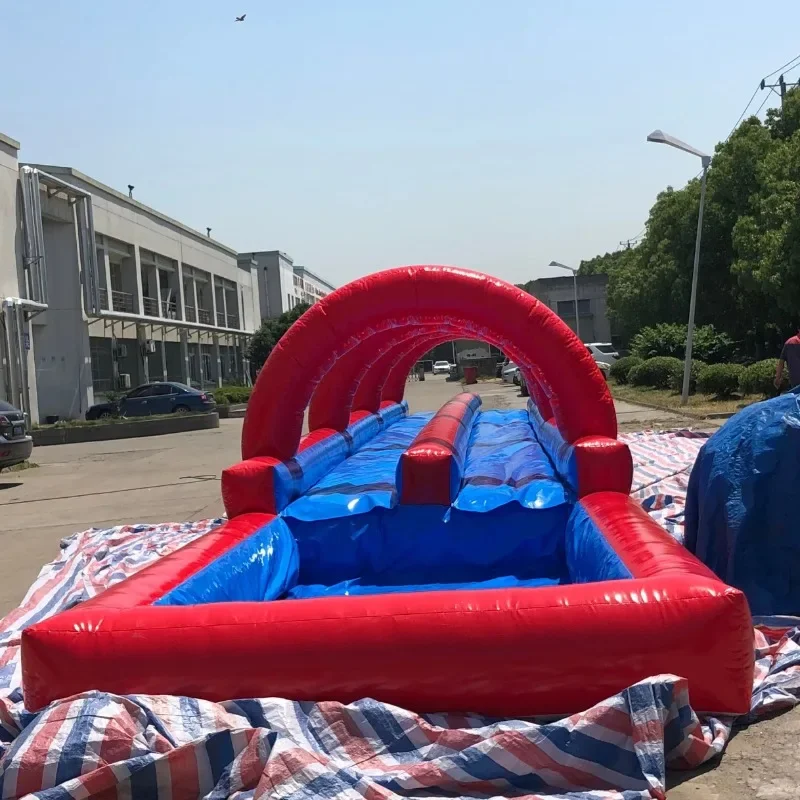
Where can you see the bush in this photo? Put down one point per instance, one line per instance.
(758, 378)
(667, 339)
(721, 380)
(694, 372)
(622, 366)
(227, 395)
(656, 372)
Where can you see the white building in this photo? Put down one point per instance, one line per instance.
(281, 284)
(103, 292)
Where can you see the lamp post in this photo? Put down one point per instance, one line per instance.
(574, 291)
(660, 137)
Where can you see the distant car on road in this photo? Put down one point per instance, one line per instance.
(603, 352)
(511, 373)
(15, 444)
(441, 367)
(154, 398)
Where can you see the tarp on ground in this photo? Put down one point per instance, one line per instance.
(741, 507)
(143, 746)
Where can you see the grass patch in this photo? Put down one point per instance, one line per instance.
(91, 423)
(668, 398)
(22, 467)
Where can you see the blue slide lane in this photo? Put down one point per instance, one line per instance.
(364, 481)
(506, 464)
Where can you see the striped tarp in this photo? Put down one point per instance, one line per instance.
(162, 747)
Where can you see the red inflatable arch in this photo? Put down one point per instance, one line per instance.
(489, 308)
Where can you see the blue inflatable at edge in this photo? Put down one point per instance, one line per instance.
(743, 504)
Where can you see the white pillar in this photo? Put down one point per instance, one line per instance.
(158, 292)
(196, 305)
(213, 300)
(184, 334)
(144, 360)
(107, 268)
(181, 298)
(139, 294)
(215, 341)
(164, 374)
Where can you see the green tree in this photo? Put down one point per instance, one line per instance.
(270, 333)
(749, 279)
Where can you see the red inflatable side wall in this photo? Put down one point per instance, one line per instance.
(428, 651)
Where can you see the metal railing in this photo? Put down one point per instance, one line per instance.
(220, 319)
(204, 317)
(169, 309)
(150, 306)
(191, 313)
(120, 301)
(233, 321)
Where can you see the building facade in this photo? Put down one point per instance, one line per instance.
(281, 284)
(559, 295)
(104, 293)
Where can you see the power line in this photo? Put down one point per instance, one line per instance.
(741, 116)
(796, 58)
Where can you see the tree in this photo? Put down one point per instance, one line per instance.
(270, 333)
(749, 278)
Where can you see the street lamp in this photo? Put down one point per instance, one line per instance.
(660, 137)
(574, 290)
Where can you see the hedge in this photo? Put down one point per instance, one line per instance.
(227, 395)
(759, 378)
(721, 380)
(677, 377)
(622, 366)
(657, 372)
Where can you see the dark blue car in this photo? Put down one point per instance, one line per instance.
(155, 398)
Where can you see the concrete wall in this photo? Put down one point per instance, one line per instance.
(10, 220)
(275, 281)
(60, 334)
(594, 324)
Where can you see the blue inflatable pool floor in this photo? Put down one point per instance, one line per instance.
(354, 538)
(513, 524)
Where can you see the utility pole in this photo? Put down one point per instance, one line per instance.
(781, 84)
(626, 243)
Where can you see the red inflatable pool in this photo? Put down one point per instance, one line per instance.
(468, 559)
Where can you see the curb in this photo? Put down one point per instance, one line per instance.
(234, 411)
(677, 412)
(43, 437)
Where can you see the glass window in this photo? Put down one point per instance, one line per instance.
(141, 391)
(162, 389)
(566, 308)
(606, 348)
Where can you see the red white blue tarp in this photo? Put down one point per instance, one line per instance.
(164, 747)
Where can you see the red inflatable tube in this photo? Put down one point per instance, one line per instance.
(492, 309)
(508, 652)
(429, 471)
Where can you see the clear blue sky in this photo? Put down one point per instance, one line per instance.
(361, 134)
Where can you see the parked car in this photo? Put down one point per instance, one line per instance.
(603, 367)
(154, 398)
(441, 367)
(604, 352)
(15, 443)
(511, 373)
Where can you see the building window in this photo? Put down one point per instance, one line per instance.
(566, 308)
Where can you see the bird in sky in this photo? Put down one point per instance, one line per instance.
(241, 19)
